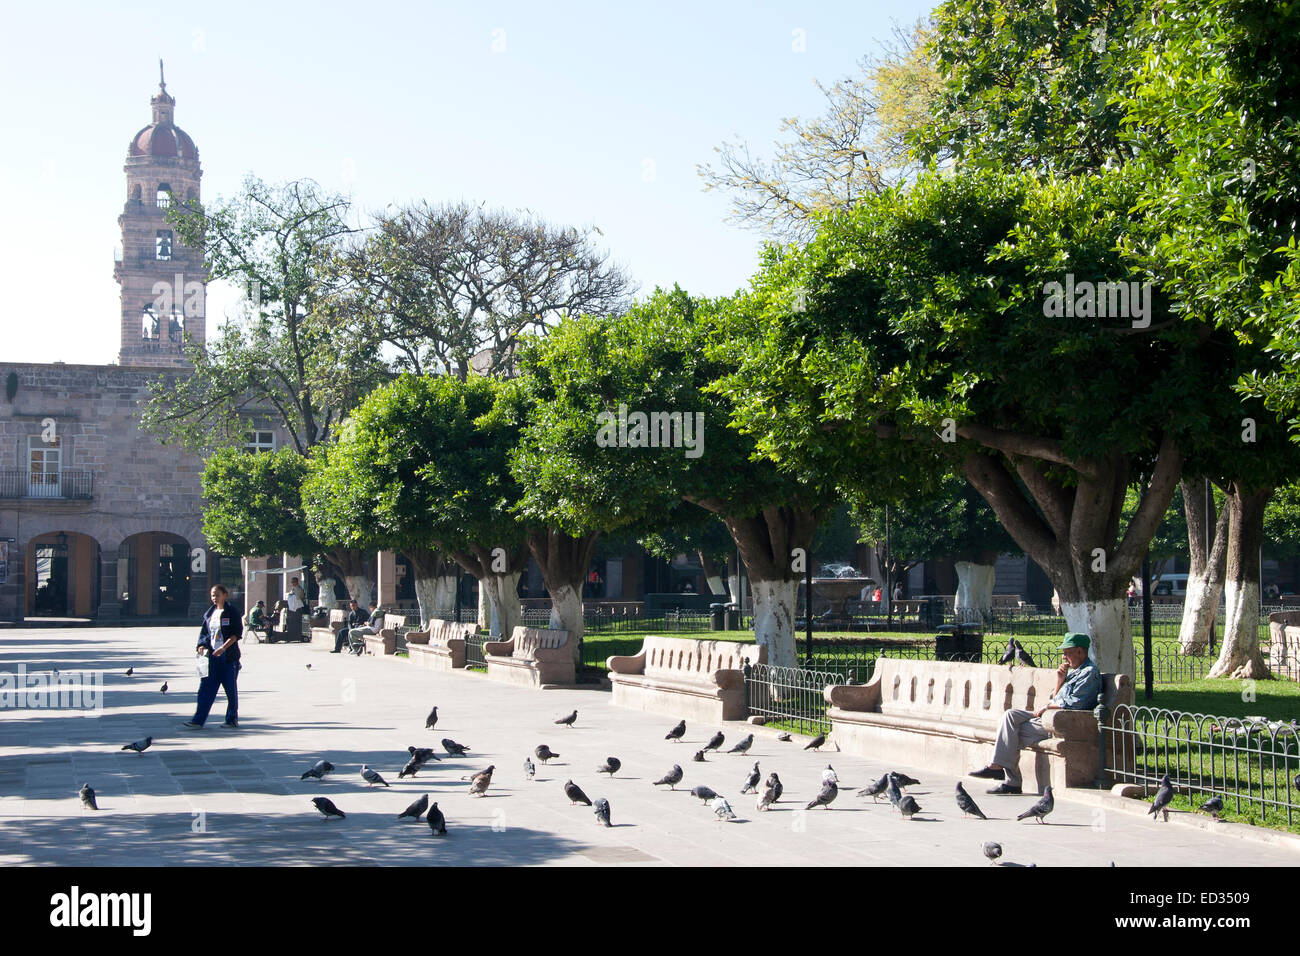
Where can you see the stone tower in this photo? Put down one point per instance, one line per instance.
(164, 283)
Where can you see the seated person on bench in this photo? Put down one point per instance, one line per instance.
(357, 635)
(257, 619)
(356, 619)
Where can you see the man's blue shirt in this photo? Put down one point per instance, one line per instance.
(1081, 687)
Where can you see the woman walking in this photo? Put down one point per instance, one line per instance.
(219, 644)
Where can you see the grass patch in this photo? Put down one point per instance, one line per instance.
(1274, 699)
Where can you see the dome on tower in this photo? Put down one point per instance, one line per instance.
(162, 137)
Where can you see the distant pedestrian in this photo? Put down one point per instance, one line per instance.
(898, 591)
(218, 644)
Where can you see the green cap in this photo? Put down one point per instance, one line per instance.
(1075, 639)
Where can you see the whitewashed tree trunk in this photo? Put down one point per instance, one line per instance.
(774, 606)
(1107, 623)
(503, 600)
(1240, 657)
(974, 587)
(716, 587)
(444, 594)
(1200, 609)
(566, 615)
(426, 595)
(484, 609)
(326, 598)
(358, 586)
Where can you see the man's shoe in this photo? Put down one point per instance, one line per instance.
(334, 652)
(192, 725)
(988, 773)
(1005, 788)
(231, 723)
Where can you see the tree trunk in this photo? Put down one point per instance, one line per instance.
(326, 598)
(1107, 623)
(711, 575)
(503, 601)
(1207, 566)
(1240, 656)
(974, 588)
(733, 579)
(444, 595)
(430, 567)
(484, 618)
(358, 570)
(426, 595)
(774, 604)
(564, 562)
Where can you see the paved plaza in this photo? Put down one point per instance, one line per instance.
(218, 796)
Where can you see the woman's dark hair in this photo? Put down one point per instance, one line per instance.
(222, 588)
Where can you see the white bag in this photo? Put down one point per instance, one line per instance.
(201, 665)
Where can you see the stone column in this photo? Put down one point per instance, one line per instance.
(110, 604)
(387, 579)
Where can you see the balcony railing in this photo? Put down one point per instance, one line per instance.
(67, 484)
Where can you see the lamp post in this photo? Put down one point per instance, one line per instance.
(1148, 675)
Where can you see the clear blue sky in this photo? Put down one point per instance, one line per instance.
(392, 102)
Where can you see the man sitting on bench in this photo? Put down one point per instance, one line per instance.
(257, 619)
(356, 619)
(357, 635)
(1078, 682)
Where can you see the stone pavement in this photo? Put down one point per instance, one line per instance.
(219, 796)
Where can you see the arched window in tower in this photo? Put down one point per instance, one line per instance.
(149, 324)
(135, 193)
(175, 325)
(162, 244)
(164, 195)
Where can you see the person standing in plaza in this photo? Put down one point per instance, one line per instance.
(218, 644)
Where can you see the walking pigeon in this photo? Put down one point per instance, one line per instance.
(318, 770)
(825, 797)
(432, 720)
(163, 689)
(570, 720)
(453, 748)
(714, 742)
(992, 851)
(326, 806)
(139, 746)
(908, 806)
(1022, 656)
(767, 799)
(416, 809)
(610, 766)
(544, 753)
(672, 778)
(699, 757)
(722, 809)
(601, 807)
(742, 745)
(1212, 806)
(784, 737)
(966, 805)
(751, 781)
(704, 793)
(411, 769)
(1163, 795)
(774, 782)
(1042, 808)
(830, 774)
(575, 794)
(437, 822)
(372, 777)
(874, 790)
(816, 743)
(530, 768)
(423, 754)
(893, 792)
(904, 780)
(480, 781)
(677, 733)
(87, 797)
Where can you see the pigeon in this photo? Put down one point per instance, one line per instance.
(672, 778)
(423, 754)
(453, 748)
(816, 743)
(610, 766)
(139, 746)
(704, 793)
(767, 799)
(1163, 795)
(677, 733)
(893, 792)
(411, 769)
(1009, 655)
(87, 797)
(530, 768)
(570, 720)
(601, 806)
(874, 790)
(326, 806)
(318, 770)
(784, 737)
(714, 742)
(575, 794)
(372, 777)
(1022, 656)
(416, 809)
(825, 797)
(1212, 806)
(908, 806)
(830, 774)
(904, 780)
(966, 805)
(773, 782)
(432, 720)
(1042, 808)
(992, 851)
(437, 822)
(130, 671)
(480, 781)
(751, 781)
(163, 689)
(544, 753)
(742, 745)
(699, 757)
(1296, 781)
(722, 809)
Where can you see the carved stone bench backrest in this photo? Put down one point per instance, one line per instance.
(338, 616)
(682, 659)
(529, 639)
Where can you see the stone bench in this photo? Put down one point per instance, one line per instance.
(325, 636)
(385, 642)
(1284, 644)
(694, 680)
(944, 716)
(441, 647)
(533, 657)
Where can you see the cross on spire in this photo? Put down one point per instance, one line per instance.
(162, 83)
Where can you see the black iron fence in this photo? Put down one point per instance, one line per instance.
(791, 697)
(66, 484)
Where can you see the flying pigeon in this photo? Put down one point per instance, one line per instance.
(874, 790)
(1022, 656)
(570, 720)
(1212, 806)
(372, 777)
(904, 780)
(966, 805)
(908, 806)
(326, 806)
(544, 753)
(601, 806)
(714, 742)
(826, 797)
(742, 745)
(163, 689)
(751, 781)
(699, 757)
(416, 809)
(1042, 808)
(437, 822)
(130, 671)
(318, 770)
(773, 782)
(704, 793)
(1163, 795)
(610, 766)
(575, 794)
(816, 743)
(992, 851)
(432, 720)
(530, 768)
(830, 774)
(672, 778)
(722, 809)
(139, 746)
(480, 781)
(677, 733)
(87, 797)
(453, 748)
(784, 737)
(893, 792)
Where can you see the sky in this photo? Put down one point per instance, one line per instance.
(588, 114)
